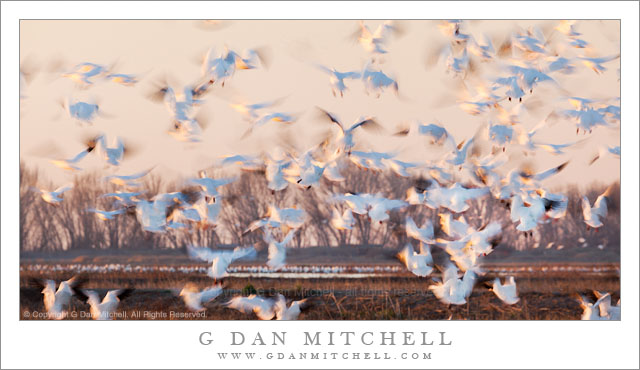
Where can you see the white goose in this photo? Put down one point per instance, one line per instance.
(284, 218)
(292, 312)
(336, 79)
(507, 292)
(122, 79)
(105, 309)
(594, 311)
(375, 81)
(70, 164)
(220, 69)
(344, 221)
(375, 42)
(528, 211)
(220, 260)
(84, 73)
(596, 64)
(452, 290)
(56, 301)
(455, 197)
(423, 234)
(593, 215)
(209, 185)
(126, 198)
(194, 298)
(53, 197)
(606, 309)
(417, 263)
(127, 180)
(264, 308)
(344, 138)
(277, 250)
(114, 155)
(107, 215)
(457, 229)
(84, 112)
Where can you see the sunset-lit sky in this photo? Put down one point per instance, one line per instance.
(152, 49)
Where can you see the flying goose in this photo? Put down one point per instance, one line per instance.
(53, 197)
(194, 298)
(277, 250)
(56, 301)
(593, 215)
(417, 263)
(105, 309)
(220, 259)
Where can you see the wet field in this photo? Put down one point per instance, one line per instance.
(547, 292)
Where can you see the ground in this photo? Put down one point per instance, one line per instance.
(548, 295)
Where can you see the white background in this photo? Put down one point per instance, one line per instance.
(175, 344)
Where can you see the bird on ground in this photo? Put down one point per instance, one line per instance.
(452, 290)
(105, 309)
(594, 311)
(292, 312)
(606, 309)
(507, 292)
(57, 301)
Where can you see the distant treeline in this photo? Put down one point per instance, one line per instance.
(68, 225)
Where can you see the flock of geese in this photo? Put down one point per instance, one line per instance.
(527, 59)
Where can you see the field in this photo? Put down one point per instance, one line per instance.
(546, 293)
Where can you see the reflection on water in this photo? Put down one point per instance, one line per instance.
(313, 271)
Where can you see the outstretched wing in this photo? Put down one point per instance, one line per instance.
(202, 253)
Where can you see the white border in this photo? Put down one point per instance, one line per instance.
(174, 344)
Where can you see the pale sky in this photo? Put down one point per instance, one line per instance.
(152, 49)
